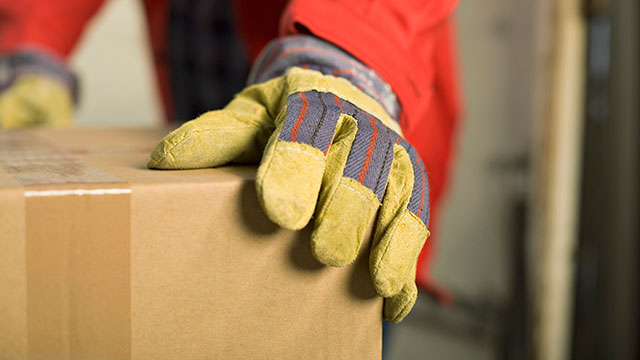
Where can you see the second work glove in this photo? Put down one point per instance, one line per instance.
(326, 148)
(35, 90)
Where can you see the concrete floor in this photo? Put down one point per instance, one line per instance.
(434, 332)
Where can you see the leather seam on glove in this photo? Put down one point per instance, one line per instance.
(302, 151)
(389, 233)
(341, 183)
(403, 312)
(417, 228)
(356, 191)
(168, 150)
(275, 147)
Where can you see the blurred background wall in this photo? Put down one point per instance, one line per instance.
(113, 61)
(481, 249)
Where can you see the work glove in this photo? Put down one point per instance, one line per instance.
(35, 90)
(327, 148)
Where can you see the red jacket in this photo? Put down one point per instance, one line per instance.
(409, 43)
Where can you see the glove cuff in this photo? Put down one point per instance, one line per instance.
(310, 52)
(34, 62)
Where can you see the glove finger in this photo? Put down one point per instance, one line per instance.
(236, 133)
(342, 225)
(399, 305)
(353, 186)
(290, 175)
(401, 230)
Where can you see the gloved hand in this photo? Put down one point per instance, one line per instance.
(34, 91)
(327, 148)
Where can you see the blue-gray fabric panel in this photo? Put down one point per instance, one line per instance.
(318, 125)
(294, 107)
(326, 129)
(383, 175)
(419, 201)
(377, 170)
(358, 152)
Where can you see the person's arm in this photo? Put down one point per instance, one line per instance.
(394, 38)
(322, 123)
(52, 26)
(36, 37)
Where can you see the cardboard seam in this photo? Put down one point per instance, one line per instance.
(77, 192)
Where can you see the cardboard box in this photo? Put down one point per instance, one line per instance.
(101, 258)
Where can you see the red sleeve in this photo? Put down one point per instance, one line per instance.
(157, 12)
(52, 25)
(258, 22)
(433, 136)
(392, 37)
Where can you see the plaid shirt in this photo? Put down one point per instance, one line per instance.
(208, 59)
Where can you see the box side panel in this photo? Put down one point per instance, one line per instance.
(13, 279)
(78, 273)
(212, 277)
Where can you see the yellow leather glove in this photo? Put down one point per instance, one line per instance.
(326, 148)
(34, 100)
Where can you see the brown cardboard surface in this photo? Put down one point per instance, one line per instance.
(113, 260)
(78, 276)
(13, 276)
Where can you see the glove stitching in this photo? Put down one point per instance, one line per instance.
(324, 209)
(418, 226)
(402, 311)
(391, 233)
(239, 116)
(222, 128)
(354, 190)
(386, 247)
(302, 151)
(185, 135)
(169, 152)
(260, 179)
